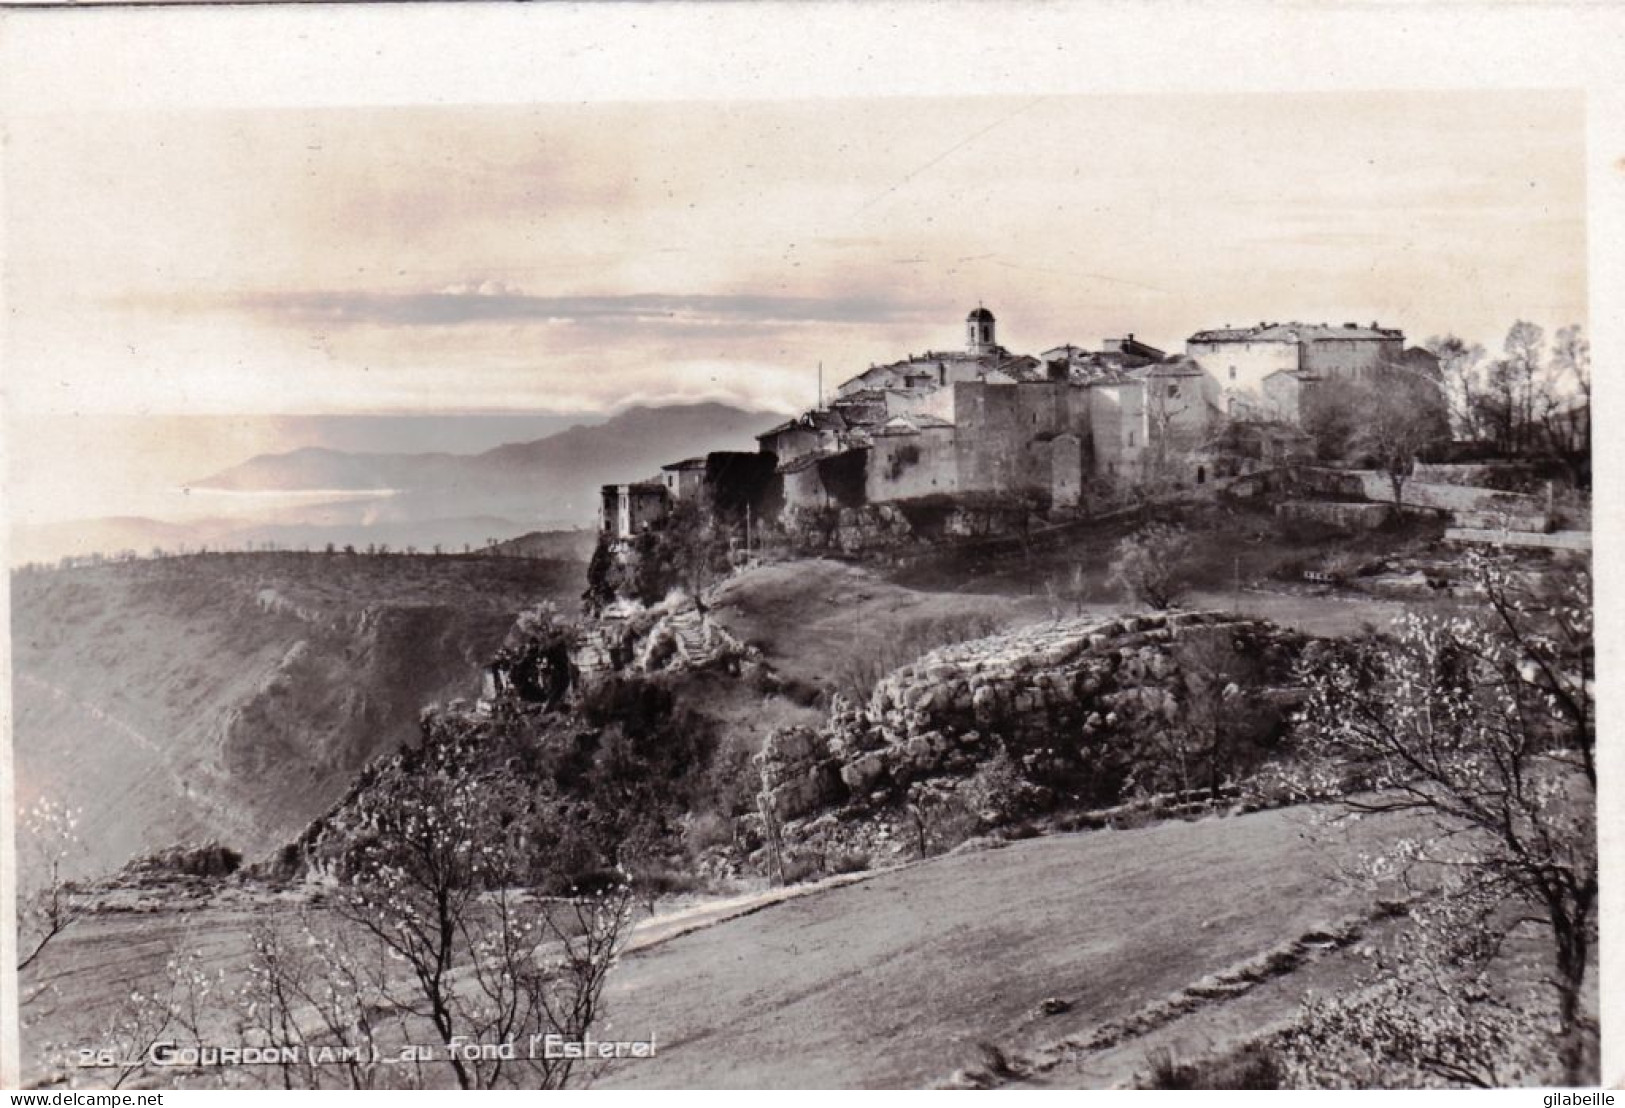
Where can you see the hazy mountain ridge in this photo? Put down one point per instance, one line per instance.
(318, 467)
(631, 445)
(421, 500)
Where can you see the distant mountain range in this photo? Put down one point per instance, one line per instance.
(563, 470)
(424, 500)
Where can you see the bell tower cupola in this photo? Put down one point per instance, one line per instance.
(979, 332)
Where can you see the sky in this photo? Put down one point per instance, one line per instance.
(579, 257)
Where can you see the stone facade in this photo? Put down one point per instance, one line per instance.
(1066, 470)
(983, 421)
(1337, 513)
(1570, 541)
(1240, 360)
(683, 479)
(911, 458)
(1288, 395)
(631, 509)
(1004, 432)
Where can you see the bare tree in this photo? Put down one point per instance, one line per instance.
(438, 882)
(939, 819)
(1461, 374)
(1524, 344)
(1564, 404)
(309, 986)
(174, 1009)
(1508, 403)
(1149, 565)
(1213, 713)
(1481, 726)
(1204, 725)
(45, 903)
(1426, 1011)
(1401, 416)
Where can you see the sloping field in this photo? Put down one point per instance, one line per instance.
(895, 981)
(889, 980)
(811, 617)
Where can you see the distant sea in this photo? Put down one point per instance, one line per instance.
(80, 484)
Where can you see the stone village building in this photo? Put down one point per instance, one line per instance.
(982, 420)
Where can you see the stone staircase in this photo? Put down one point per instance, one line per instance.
(686, 639)
(692, 632)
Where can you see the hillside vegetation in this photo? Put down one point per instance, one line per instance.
(237, 695)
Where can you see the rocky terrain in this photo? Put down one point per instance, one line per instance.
(1064, 704)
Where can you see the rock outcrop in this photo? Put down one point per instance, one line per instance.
(676, 634)
(1066, 703)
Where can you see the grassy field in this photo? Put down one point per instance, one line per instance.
(811, 618)
(897, 980)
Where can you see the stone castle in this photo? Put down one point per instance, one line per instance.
(983, 420)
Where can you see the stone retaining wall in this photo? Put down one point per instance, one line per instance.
(1557, 540)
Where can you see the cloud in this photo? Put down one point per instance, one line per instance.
(493, 301)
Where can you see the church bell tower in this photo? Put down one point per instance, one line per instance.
(979, 332)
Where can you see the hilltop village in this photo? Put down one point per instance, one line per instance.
(984, 422)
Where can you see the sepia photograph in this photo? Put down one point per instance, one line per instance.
(670, 546)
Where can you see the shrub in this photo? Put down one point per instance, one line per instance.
(801, 868)
(705, 830)
(998, 794)
(652, 882)
(1252, 1067)
(847, 861)
(939, 820)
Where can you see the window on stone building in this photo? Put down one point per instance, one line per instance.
(1232, 373)
(1173, 391)
(1131, 438)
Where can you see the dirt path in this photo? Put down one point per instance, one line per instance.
(710, 911)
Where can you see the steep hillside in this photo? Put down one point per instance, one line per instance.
(236, 695)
